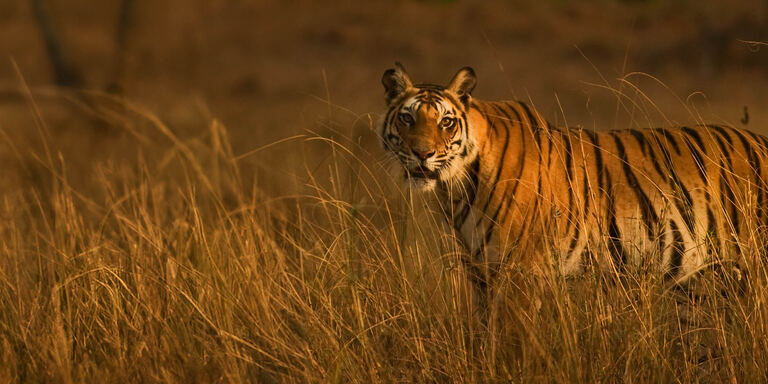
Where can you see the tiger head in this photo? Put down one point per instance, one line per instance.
(427, 127)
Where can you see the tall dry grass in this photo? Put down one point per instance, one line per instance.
(180, 263)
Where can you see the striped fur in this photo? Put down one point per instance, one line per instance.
(513, 187)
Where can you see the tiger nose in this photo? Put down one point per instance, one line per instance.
(422, 154)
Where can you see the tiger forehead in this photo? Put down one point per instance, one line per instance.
(427, 102)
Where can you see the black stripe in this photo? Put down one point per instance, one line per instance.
(598, 157)
(640, 137)
(697, 157)
(683, 201)
(500, 166)
(640, 140)
(533, 121)
(763, 141)
(492, 219)
(574, 239)
(648, 213)
(568, 178)
(602, 190)
(474, 170)
(755, 166)
(712, 233)
(670, 139)
(762, 187)
(678, 249)
(585, 192)
(729, 200)
(722, 132)
(507, 200)
(723, 149)
(537, 197)
(494, 128)
(536, 132)
(616, 248)
(522, 141)
(568, 156)
(758, 139)
(695, 135)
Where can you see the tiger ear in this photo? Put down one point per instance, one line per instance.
(395, 82)
(462, 83)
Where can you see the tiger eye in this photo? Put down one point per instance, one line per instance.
(406, 118)
(447, 123)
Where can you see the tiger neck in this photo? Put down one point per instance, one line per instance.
(510, 140)
(508, 165)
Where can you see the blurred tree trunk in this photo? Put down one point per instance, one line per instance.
(65, 74)
(125, 22)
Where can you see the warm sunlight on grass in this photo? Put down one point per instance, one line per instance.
(178, 262)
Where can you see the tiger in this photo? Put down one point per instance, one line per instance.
(514, 188)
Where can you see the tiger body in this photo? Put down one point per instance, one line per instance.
(515, 188)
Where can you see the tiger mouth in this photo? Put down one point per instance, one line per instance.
(421, 173)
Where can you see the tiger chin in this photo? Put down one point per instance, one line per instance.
(514, 187)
